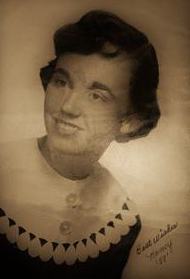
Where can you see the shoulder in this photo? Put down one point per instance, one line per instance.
(114, 193)
(18, 162)
(16, 159)
(112, 197)
(110, 182)
(16, 154)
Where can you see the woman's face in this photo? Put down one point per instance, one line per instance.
(85, 101)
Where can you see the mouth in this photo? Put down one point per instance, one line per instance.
(66, 127)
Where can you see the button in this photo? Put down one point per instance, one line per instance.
(65, 227)
(72, 199)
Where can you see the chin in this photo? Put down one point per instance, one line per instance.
(71, 145)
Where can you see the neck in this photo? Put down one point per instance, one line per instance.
(72, 166)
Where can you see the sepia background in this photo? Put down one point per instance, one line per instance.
(155, 169)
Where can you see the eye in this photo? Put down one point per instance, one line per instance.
(59, 82)
(97, 97)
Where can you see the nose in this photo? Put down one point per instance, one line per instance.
(71, 105)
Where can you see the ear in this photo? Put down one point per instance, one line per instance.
(130, 125)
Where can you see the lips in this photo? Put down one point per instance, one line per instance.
(66, 127)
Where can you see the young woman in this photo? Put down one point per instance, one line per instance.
(62, 213)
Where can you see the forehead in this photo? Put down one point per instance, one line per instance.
(114, 72)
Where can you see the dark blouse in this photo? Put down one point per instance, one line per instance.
(108, 264)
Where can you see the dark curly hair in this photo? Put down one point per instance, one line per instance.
(89, 35)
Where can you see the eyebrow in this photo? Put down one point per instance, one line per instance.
(101, 86)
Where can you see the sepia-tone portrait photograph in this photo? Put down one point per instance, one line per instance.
(94, 143)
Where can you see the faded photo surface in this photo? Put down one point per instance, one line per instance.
(94, 142)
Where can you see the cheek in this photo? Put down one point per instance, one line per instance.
(52, 101)
(103, 121)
